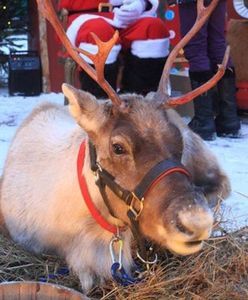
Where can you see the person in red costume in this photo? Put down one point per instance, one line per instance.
(144, 40)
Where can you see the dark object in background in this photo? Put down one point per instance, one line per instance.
(175, 2)
(24, 73)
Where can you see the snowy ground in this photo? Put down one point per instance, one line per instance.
(232, 153)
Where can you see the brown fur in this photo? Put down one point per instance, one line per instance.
(3, 228)
(237, 37)
(42, 204)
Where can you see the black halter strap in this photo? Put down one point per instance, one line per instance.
(135, 198)
(155, 174)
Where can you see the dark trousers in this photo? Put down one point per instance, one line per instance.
(207, 48)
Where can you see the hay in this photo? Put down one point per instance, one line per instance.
(16, 264)
(219, 271)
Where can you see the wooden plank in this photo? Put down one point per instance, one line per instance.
(28, 290)
(46, 84)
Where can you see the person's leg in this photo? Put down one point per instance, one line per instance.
(216, 35)
(85, 41)
(196, 50)
(227, 121)
(203, 121)
(199, 72)
(147, 45)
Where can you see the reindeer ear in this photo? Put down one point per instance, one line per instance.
(72, 96)
(85, 108)
(80, 102)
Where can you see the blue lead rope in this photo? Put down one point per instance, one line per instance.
(63, 271)
(120, 275)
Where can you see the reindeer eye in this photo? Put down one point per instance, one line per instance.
(118, 149)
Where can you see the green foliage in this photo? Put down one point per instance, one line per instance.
(13, 21)
(13, 15)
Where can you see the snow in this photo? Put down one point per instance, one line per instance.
(232, 153)
(20, 41)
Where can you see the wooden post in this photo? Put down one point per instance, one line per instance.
(44, 54)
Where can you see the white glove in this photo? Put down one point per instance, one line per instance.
(116, 22)
(129, 12)
(116, 2)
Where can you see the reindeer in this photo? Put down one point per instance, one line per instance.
(88, 183)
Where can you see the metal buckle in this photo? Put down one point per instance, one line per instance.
(96, 173)
(105, 7)
(136, 213)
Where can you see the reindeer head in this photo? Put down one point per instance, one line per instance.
(133, 135)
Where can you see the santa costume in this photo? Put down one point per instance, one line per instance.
(143, 42)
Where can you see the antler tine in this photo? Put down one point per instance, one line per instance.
(203, 14)
(100, 58)
(47, 10)
(175, 101)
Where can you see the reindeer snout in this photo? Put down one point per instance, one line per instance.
(195, 223)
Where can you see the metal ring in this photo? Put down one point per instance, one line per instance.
(111, 248)
(147, 262)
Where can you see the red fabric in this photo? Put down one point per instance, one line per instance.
(99, 26)
(86, 196)
(72, 17)
(142, 29)
(75, 5)
(242, 95)
(242, 84)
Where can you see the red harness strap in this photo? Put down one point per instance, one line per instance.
(166, 173)
(84, 190)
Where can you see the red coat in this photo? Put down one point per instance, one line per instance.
(79, 5)
(86, 19)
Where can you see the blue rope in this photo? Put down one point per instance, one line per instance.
(63, 271)
(121, 276)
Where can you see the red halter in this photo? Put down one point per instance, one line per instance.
(84, 190)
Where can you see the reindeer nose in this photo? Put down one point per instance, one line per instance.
(196, 223)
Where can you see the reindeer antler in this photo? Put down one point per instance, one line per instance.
(99, 59)
(203, 14)
(175, 101)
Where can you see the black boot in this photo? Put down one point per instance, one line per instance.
(89, 85)
(141, 75)
(227, 122)
(203, 120)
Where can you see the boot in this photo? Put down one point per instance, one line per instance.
(203, 120)
(89, 85)
(227, 122)
(141, 75)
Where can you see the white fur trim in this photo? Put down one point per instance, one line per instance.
(93, 49)
(73, 29)
(151, 48)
